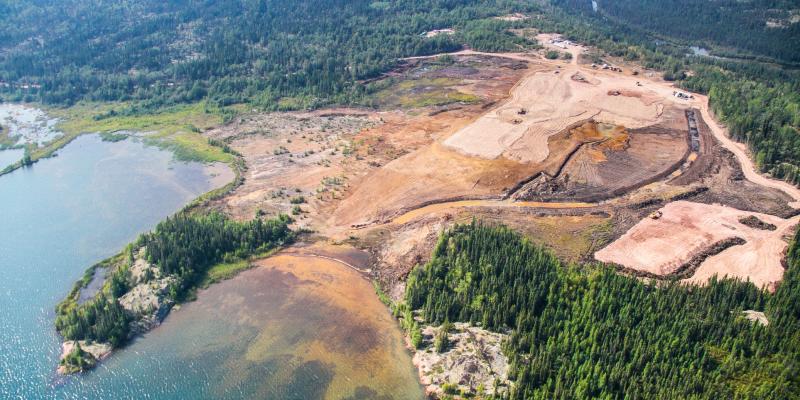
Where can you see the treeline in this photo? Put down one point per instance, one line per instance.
(184, 247)
(759, 102)
(588, 332)
(761, 27)
(762, 111)
(270, 53)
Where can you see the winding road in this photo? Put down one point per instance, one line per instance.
(741, 153)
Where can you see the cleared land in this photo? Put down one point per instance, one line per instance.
(549, 101)
(760, 259)
(577, 156)
(681, 230)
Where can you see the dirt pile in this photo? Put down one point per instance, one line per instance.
(686, 230)
(553, 103)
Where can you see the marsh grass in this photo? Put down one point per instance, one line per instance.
(415, 93)
(177, 129)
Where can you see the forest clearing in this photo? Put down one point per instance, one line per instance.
(545, 146)
(401, 199)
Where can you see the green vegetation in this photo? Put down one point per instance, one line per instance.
(423, 92)
(101, 319)
(223, 271)
(275, 54)
(193, 249)
(272, 54)
(113, 136)
(492, 35)
(78, 360)
(588, 332)
(6, 140)
(409, 324)
(551, 55)
(382, 296)
(441, 342)
(760, 27)
(186, 246)
(176, 128)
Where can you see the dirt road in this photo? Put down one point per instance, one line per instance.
(738, 149)
(432, 208)
(720, 132)
(513, 56)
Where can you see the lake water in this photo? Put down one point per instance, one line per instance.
(59, 217)
(10, 156)
(294, 328)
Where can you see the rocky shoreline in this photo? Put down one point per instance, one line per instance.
(471, 364)
(146, 304)
(86, 356)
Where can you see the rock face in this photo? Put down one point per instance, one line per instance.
(756, 316)
(543, 186)
(472, 363)
(148, 303)
(143, 271)
(97, 351)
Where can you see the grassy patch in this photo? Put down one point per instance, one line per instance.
(437, 98)
(113, 136)
(223, 271)
(290, 103)
(227, 270)
(427, 82)
(6, 140)
(571, 238)
(175, 128)
(424, 92)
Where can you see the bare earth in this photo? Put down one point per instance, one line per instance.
(548, 102)
(544, 145)
(685, 229)
(591, 162)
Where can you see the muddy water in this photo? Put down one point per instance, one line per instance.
(296, 327)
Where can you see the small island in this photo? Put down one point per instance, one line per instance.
(132, 292)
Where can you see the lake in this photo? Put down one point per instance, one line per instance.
(295, 327)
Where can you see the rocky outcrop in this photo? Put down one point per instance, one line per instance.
(541, 187)
(91, 353)
(148, 303)
(471, 365)
(142, 271)
(756, 317)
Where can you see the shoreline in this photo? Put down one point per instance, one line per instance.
(238, 165)
(222, 184)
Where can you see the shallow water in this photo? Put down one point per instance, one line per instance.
(59, 217)
(10, 156)
(32, 125)
(294, 328)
